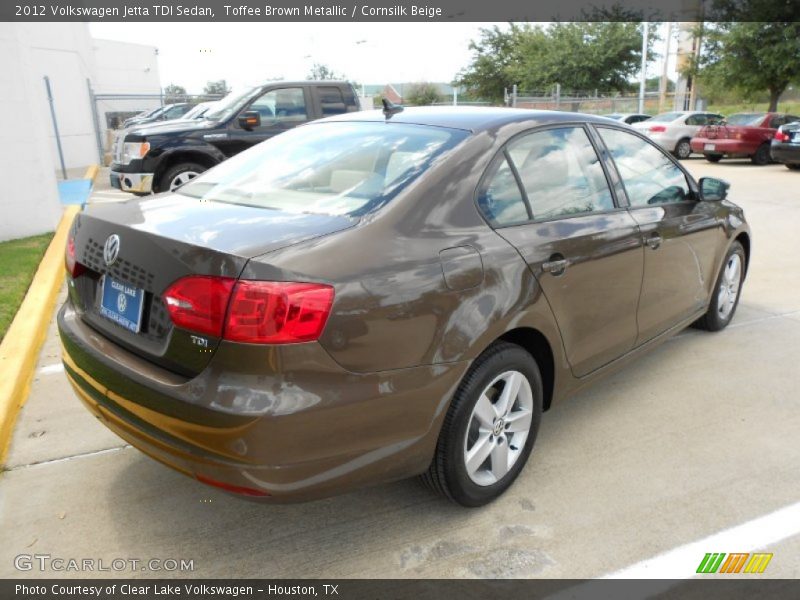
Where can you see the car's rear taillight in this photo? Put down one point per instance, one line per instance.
(253, 312)
(273, 312)
(781, 137)
(74, 268)
(198, 303)
(657, 129)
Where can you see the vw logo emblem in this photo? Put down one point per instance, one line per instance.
(122, 303)
(111, 249)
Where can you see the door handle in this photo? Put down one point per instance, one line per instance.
(555, 267)
(654, 240)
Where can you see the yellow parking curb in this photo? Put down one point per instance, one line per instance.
(19, 349)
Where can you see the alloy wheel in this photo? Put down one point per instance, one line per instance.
(729, 286)
(181, 178)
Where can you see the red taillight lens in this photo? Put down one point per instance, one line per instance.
(781, 137)
(198, 303)
(270, 312)
(658, 129)
(74, 268)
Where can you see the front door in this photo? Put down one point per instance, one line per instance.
(548, 196)
(681, 234)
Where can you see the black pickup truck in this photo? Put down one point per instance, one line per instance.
(161, 157)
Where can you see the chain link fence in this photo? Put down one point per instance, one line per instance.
(594, 102)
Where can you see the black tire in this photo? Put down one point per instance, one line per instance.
(793, 166)
(683, 149)
(761, 157)
(165, 181)
(714, 158)
(713, 320)
(447, 473)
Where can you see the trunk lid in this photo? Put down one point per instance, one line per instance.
(163, 239)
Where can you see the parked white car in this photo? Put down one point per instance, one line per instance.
(674, 130)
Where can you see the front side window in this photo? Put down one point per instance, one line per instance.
(340, 168)
(649, 176)
(285, 105)
(560, 173)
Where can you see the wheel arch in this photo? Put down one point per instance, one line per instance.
(536, 344)
(744, 239)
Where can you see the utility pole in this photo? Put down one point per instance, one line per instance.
(662, 88)
(643, 80)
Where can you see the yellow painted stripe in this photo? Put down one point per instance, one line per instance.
(19, 350)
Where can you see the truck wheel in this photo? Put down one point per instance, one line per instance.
(761, 157)
(177, 175)
(715, 158)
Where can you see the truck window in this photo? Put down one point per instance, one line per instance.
(331, 100)
(284, 105)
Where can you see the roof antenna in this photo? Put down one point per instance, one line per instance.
(390, 108)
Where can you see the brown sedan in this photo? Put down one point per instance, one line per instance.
(381, 295)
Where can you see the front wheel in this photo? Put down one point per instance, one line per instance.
(177, 175)
(490, 428)
(725, 297)
(683, 149)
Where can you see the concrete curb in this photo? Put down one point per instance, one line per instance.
(19, 350)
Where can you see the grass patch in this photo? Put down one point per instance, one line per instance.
(19, 260)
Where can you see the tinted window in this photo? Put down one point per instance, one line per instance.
(286, 105)
(327, 168)
(560, 173)
(697, 120)
(776, 122)
(501, 199)
(650, 177)
(331, 100)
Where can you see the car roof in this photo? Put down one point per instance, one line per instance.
(468, 118)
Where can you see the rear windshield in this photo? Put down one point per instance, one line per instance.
(338, 168)
(746, 119)
(666, 117)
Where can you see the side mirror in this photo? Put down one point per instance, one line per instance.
(249, 119)
(713, 190)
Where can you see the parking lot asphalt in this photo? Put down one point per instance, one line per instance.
(696, 439)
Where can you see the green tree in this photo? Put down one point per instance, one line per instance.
(219, 88)
(321, 72)
(174, 93)
(749, 58)
(582, 56)
(421, 94)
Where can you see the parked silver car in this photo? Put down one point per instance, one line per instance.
(673, 131)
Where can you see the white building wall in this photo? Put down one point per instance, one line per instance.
(29, 163)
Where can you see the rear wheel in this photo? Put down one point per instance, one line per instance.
(490, 428)
(761, 157)
(714, 158)
(725, 297)
(793, 166)
(179, 174)
(683, 149)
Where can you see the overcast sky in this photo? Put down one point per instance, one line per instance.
(190, 54)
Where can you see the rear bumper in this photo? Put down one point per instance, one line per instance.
(310, 430)
(140, 183)
(725, 147)
(785, 153)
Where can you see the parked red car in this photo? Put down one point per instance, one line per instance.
(742, 135)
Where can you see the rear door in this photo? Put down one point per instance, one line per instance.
(548, 195)
(681, 234)
(280, 109)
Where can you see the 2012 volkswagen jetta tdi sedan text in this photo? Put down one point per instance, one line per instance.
(381, 295)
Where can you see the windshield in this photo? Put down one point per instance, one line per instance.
(229, 105)
(665, 118)
(745, 119)
(339, 168)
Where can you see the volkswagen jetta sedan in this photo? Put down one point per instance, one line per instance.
(381, 295)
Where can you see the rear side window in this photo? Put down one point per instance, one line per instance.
(561, 173)
(501, 200)
(331, 100)
(648, 174)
